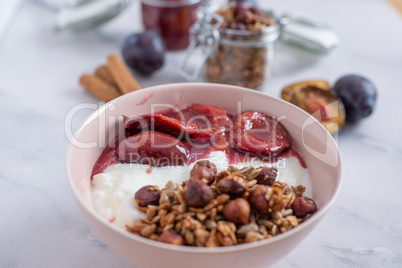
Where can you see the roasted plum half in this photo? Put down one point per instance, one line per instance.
(323, 105)
(160, 123)
(153, 148)
(289, 92)
(212, 123)
(259, 134)
(204, 116)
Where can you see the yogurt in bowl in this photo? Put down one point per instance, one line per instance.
(113, 190)
(319, 151)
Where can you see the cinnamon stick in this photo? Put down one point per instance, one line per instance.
(121, 74)
(99, 88)
(103, 73)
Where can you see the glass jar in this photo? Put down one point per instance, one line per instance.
(243, 58)
(171, 19)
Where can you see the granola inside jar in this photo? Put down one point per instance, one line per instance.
(245, 53)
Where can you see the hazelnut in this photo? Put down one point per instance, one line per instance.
(237, 211)
(197, 193)
(171, 237)
(303, 205)
(239, 8)
(147, 195)
(257, 199)
(204, 169)
(267, 175)
(234, 186)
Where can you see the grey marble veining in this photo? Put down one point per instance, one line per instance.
(39, 70)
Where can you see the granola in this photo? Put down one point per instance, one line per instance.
(228, 218)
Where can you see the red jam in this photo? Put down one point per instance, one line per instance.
(171, 19)
(186, 133)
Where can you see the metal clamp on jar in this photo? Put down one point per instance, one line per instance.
(204, 40)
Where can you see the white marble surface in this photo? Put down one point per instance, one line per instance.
(41, 225)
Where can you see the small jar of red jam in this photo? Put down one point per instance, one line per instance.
(171, 19)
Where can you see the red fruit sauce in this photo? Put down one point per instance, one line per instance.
(186, 133)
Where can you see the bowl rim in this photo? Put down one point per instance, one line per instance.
(199, 250)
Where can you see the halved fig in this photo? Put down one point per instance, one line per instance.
(153, 148)
(323, 105)
(289, 91)
(260, 134)
(161, 123)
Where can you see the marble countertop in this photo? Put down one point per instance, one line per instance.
(39, 70)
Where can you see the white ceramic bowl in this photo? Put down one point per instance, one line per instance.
(316, 145)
